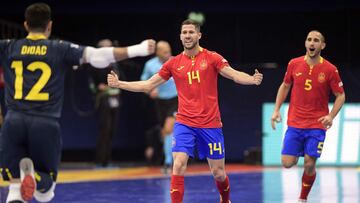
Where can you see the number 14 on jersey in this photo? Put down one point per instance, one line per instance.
(193, 75)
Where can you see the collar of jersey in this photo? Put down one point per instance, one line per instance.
(200, 50)
(36, 36)
(321, 59)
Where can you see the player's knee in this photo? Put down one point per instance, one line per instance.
(14, 194)
(45, 196)
(286, 163)
(218, 173)
(179, 167)
(309, 168)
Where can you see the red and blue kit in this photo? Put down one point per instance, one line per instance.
(196, 82)
(311, 88)
(198, 122)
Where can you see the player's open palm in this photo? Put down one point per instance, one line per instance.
(112, 79)
(275, 118)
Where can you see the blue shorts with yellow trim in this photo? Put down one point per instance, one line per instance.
(298, 142)
(36, 137)
(207, 142)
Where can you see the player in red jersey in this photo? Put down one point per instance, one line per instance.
(198, 122)
(312, 79)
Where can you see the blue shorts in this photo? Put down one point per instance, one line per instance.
(208, 142)
(298, 142)
(36, 137)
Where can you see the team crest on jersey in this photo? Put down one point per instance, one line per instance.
(321, 77)
(203, 64)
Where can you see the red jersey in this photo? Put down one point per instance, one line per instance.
(196, 84)
(311, 86)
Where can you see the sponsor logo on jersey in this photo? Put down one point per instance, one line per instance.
(181, 67)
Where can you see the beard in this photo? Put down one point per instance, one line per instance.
(191, 46)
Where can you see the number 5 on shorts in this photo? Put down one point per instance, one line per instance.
(215, 147)
(320, 147)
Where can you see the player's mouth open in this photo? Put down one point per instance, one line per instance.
(311, 49)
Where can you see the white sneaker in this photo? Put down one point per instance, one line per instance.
(302, 201)
(27, 176)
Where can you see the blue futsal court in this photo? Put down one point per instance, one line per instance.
(261, 185)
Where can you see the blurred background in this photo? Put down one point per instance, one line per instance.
(249, 34)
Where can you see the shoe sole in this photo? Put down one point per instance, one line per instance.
(28, 184)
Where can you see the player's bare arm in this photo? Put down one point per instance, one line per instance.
(241, 77)
(136, 86)
(102, 57)
(280, 98)
(339, 101)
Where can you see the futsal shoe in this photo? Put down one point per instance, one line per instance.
(27, 177)
(302, 201)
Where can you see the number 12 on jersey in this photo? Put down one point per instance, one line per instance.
(193, 75)
(35, 93)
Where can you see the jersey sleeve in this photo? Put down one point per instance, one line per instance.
(336, 84)
(219, 61)
(288, 78)
(73, 53)
(165, 71)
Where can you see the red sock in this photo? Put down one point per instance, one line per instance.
(307, 182)
(177, 189)
(224, 190)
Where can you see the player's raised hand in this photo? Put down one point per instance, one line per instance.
(257, 77)
(276, 117)
(151, 46)
(326, 121)
(145, 48)
(113, 80)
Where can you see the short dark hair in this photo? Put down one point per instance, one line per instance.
(37, 16)
(321, 35)
(191, 22)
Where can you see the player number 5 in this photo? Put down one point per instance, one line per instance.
(320, 147)
(308, 85)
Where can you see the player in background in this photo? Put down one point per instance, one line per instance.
(34, 71)
(312, 79)
(198, 121)
(165, 98)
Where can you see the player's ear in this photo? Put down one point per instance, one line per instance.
(49, 26)
(26, 26)
(48, 29)
(323, 45)
(199, 35)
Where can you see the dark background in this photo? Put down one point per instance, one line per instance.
(249, 34)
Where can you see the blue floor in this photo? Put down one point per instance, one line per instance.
(271, 186)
